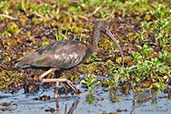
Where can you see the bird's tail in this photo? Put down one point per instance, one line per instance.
(22, 63)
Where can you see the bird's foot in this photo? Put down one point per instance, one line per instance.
(72, 86)
(68, 82)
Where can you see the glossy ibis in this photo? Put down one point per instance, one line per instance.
(65, 54)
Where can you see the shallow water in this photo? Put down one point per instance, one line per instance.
(86, 103)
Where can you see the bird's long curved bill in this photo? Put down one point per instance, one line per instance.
(115, 41)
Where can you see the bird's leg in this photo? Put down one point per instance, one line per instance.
(72, 86)
(56, 90)
(46, 73)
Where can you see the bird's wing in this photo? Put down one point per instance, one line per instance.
(60, 54)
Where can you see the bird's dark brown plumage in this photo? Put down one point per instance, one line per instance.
(60, 54)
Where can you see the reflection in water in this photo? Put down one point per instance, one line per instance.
(90, 99)
(114, 101)
(71, 110)
(139, 100)
(133, 104)
(73, 107)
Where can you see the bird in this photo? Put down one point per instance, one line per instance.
(65, 54)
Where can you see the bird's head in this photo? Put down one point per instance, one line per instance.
(104, 28)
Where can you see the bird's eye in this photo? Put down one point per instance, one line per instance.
(106, 26)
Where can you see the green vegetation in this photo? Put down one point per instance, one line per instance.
(143, 28)
(89, 81)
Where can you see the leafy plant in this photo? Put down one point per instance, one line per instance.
(161, 27)
(145, 51)
(60, 36)
(89, 82)
(4, 5)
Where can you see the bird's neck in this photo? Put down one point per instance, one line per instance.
(95, 39)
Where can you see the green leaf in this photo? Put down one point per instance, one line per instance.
(155, 30)
(139, 47)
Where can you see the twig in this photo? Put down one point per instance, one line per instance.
(7, 16)
(83, 17)
(89, 15)
(94, 12)
(37, 14)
